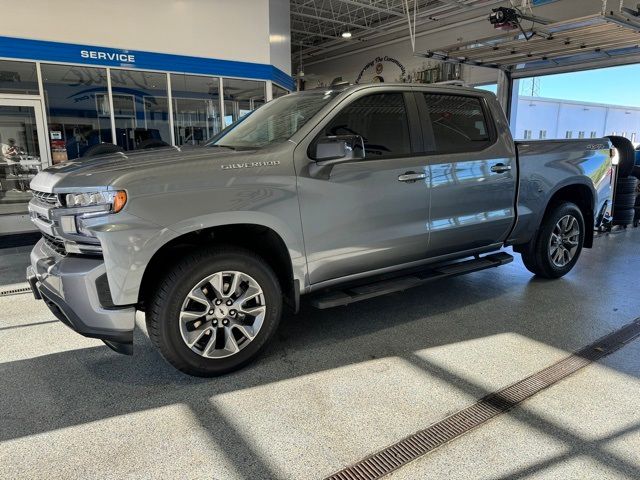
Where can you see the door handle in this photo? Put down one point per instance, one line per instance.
(410, 177)
(500, 168)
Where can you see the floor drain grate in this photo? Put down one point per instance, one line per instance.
(395, 456)
(15, 291)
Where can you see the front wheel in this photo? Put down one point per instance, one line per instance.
(556, 248)
(215, 311)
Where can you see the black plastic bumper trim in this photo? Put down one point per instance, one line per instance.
(66, 315)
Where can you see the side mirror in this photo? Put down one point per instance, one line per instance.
(338, 149)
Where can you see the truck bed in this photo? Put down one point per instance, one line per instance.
(546, 166)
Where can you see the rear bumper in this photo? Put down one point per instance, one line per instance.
(73, 288)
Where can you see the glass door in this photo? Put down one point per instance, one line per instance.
(23, 153)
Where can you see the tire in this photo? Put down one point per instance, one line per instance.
(626, 152)
(624, 200)
(170, 302)
(635, 172)
(102, 149)
(537, 255)
(626, 185)
(623, 216)
(637, 203)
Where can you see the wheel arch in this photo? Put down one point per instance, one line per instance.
(584, 197)
(260, 239)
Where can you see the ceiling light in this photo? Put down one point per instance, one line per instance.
(346, 34)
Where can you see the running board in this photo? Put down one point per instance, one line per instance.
(335, 298)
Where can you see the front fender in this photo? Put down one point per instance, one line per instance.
(130, 245)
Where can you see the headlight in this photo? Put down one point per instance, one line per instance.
(114, 200)
(89, 205)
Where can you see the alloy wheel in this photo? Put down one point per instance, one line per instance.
(222, 314)
(564, 241)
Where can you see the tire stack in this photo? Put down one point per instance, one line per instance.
(625, 203)
(636, 173)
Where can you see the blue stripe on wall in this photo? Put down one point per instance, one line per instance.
(21, 48)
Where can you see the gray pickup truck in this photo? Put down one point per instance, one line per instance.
(337, 194)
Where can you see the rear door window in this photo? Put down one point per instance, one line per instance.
(458, 122)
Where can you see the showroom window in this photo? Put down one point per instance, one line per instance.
(140, 109)
(18, 77)
(527, 134)
(542, 135)
(380, 119)
(458, 122)
(20, 156)
(241, 97)
(569, 134)
(580, 134)
(77, 105)
(196, 108)
(594, 134)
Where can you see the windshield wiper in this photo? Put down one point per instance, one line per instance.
(224, 146)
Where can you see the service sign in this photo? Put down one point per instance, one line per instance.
(112, 56)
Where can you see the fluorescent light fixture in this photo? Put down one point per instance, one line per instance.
(346, 34)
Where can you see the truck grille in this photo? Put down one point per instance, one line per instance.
(54, 244)
(46, 198)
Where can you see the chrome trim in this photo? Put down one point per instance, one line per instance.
(411, 177)
(42, 210)
(43, 226)
(500, 168)
(83, 248)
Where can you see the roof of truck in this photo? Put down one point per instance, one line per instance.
(361, 86)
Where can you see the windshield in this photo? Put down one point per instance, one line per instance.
(274, 122)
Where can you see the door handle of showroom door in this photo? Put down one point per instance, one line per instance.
(410, 177)
(500, 168)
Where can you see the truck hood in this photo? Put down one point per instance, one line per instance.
(84, 173)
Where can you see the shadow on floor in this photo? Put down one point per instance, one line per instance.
(91, 384)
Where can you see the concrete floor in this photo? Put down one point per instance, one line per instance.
(339, 384)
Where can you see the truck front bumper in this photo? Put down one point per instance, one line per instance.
(76, 291)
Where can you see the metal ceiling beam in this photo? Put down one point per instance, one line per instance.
(594, 34)
(331, 20)
(395, 26)
(442, 11)
(375, 8)
(317, 34)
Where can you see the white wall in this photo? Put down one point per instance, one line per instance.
(225, 29)
(559, 116)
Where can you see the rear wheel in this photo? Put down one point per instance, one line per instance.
(215, 311)
(556, 248)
